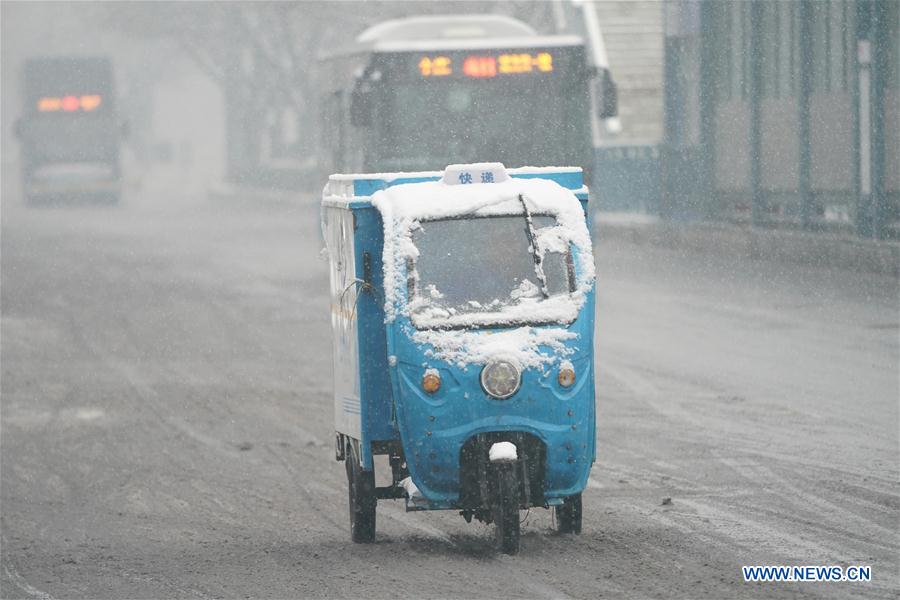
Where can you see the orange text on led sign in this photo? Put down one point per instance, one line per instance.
(525, 63)
(439, 66)
(480, 66)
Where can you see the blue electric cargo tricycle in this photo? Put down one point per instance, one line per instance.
(462, 307)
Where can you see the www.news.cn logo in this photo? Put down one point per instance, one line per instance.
(783, 573)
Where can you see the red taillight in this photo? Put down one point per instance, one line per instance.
(70, 103)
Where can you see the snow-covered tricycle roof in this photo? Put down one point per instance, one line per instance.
(406, 201)
(356, 189)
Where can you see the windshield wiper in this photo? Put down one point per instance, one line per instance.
(538, 260)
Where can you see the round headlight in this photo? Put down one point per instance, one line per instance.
(500, 379)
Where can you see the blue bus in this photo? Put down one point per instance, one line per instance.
(419, 93)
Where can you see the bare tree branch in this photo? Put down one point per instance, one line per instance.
(283, 78)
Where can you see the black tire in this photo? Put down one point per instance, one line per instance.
(568, 516)
(361, 486)
(506, 509)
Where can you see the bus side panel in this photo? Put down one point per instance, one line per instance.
(378, 418)
(338, 231)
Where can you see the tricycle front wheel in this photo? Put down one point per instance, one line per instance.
(506, 510)
(361, 486)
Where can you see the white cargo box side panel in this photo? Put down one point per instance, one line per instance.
(338, 232)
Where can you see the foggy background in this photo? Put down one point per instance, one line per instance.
(217, 91)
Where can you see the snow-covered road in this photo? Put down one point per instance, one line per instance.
(166, 423)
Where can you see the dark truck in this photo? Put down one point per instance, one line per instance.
(69, 130)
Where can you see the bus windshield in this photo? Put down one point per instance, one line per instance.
(462, 121)
(481, 271)
(517, 119)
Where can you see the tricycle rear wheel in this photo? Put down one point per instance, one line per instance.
(506, 509)
(568, 516)
(361, 486)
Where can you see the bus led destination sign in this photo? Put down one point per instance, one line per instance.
(437, 66)
(482, 66)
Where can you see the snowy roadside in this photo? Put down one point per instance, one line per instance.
(780, 246)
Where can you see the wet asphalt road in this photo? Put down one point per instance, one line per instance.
(166, 423)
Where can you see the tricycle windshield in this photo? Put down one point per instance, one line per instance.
(481, 271)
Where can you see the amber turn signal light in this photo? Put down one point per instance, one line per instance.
(431, 382)
(566, 377)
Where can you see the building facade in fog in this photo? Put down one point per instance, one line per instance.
(783, 113)
(633, 33)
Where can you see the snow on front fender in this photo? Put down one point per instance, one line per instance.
(503, 452)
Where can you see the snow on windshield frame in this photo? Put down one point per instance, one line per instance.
(491, 319)
(403, 207)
